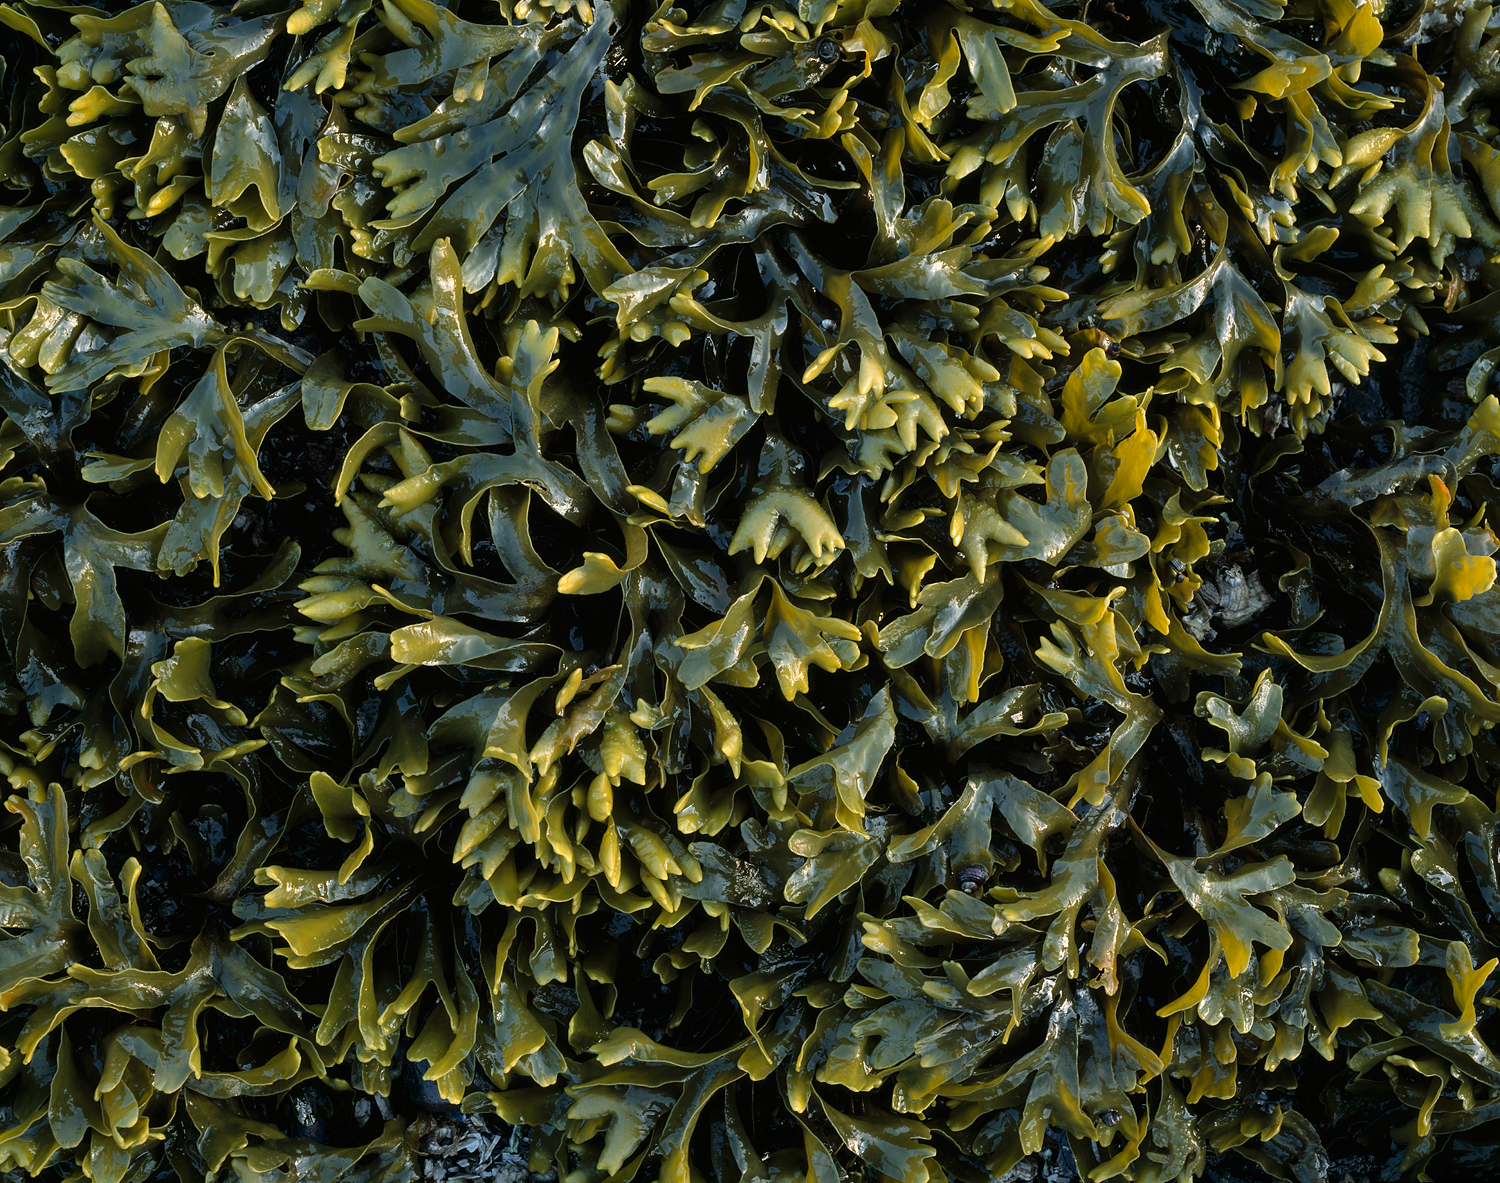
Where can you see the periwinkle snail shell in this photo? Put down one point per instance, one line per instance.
(971, 880)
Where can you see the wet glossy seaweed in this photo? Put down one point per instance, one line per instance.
(847, 591)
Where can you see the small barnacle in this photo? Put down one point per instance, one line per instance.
(1230, 599)
(1240, 597)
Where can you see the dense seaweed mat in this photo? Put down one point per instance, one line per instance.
(822, 593)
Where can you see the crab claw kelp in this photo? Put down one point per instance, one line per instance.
(849, 590)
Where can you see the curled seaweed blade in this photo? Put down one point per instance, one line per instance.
(147, 307)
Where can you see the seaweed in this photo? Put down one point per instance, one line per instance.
(857, 590)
